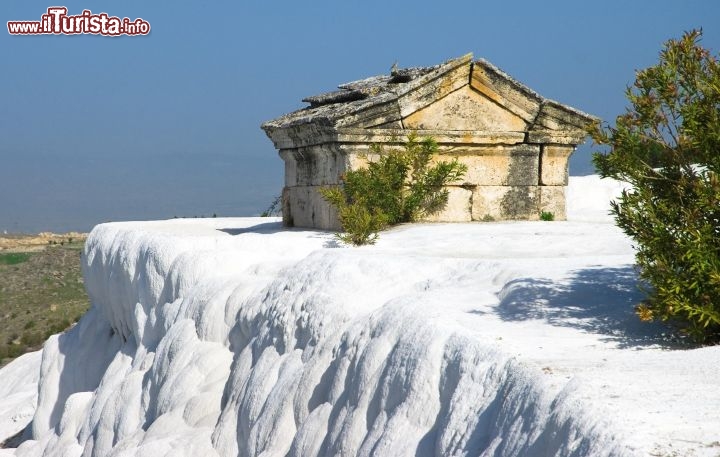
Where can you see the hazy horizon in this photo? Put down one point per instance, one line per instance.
(159, 187)
(199, 186)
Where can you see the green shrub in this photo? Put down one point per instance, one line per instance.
(57, 327)
(547, 216)
(667, 146)
(359, 222)
(31, 338)
(401, 186)
(10, 351)
(13, 258)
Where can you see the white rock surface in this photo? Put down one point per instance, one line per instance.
(237, 337)
(18, 393)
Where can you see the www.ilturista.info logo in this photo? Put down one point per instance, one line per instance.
(57, 22)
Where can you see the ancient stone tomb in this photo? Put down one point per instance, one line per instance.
(515, 143)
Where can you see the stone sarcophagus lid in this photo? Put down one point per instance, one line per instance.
(515, 143)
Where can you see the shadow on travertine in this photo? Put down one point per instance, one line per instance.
(595, 300)
(271, 228)
(266, 228)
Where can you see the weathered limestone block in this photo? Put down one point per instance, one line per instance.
(303, 206)
(318, 165)
(372, 114)
(360, 158)
(556, 116)
(545, 136)
(302, 135)
(506, 203)
(498, 165)
(552, 199)
(445, 138)
(291, 165)
(459, 206)
(554, 165)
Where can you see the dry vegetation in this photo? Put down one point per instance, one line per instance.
(41, 289)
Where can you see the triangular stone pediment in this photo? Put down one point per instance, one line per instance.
(465, 109)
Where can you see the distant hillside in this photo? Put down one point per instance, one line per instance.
(41, 289)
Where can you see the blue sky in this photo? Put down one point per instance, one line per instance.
(95, 128)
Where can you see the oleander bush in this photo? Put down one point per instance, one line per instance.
(667, 146)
